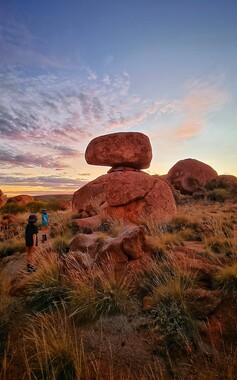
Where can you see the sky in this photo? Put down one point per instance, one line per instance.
(72, 70)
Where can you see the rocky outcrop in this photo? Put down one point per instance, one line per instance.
(190, 175)
(224, 181)
(128, 247)
(21, 200)
(129, 149)
(125, 191)
(9, 220)
(2, 199)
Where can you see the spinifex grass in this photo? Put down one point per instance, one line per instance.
(169, 310)
(8, 247)
(226, 277)
(47, 286)
(52, 348)
(100, 293)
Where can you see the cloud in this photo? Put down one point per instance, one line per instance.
(203, 99)
(59, 183)
(188, 130)
(155, 108)
(29, 160)
(53, 108)
(64, 150)
(91, 74)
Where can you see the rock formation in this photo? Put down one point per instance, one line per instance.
(126, 149)
(2, 199)
(125, 191)
(189, 175)
(21, 200)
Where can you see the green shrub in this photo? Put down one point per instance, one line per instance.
(12, 208)
(11, 246)
(174, 325)
(35, 206)
(219, 195)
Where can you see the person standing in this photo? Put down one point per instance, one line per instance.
(31, 239)
(44, 225)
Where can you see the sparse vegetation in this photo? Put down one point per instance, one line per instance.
(69, 296)
(8, 247)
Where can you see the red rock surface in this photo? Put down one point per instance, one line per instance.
(158, 203)
(132, 149)
(2, 199)
(128, 247)
(226, 180)
(125, 187)
(128, 195)
(190, 175)
(89, 192)
(8, 220)
(21, 200)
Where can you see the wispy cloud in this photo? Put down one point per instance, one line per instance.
(29, 160)
(18, 45)
(203, 99)
(61, 183)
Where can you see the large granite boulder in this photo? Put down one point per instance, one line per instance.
(128, 195)
(129, 149)
(190, 175)
(21, 200)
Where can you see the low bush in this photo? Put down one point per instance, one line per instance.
(13, 208)
(11, 246)
(218, 195)
(35, 206)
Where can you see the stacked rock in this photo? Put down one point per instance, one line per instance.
(125, 191)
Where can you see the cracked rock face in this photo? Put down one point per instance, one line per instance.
(127, 195)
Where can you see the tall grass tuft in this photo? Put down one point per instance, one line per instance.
(100, 294)
(226, 277)
(172, 318)
(52, 350)
(47, 287)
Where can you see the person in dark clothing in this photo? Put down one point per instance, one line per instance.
(31, 239)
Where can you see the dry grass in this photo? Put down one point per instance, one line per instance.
(99, 293)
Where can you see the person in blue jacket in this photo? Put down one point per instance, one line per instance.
(44, 225)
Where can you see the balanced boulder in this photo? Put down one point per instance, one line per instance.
(128, 149)
(190, 175)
